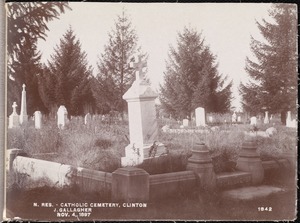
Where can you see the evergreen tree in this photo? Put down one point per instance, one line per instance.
(67, 79)
(274, 70)
(191, 79)
(27, 68)
(26, 23)
(115, 75)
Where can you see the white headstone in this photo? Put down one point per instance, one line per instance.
(266, 120)
(271, 131)
(37, 119)
(289, 119)
(143, 126)
(200, 116)
(62, 117)
(87, 119)
(210, 119)
(185, 122)
(23, 112)
(233, 118)
(239, 119)
(253, 120)
(14, 117)
(289, 122)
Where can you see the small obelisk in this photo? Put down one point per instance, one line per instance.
(23, 113)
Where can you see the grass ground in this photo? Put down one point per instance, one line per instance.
(100, 146)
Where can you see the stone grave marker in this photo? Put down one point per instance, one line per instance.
(289, 122)
(200, 116)
(62, 117)
(253, 120)
(239, 119)
(143, 127)
(266, 120)
(23, 112)
(233, 118)
(87, 119)
(37, 119)
(210, 119)
(14, 117)
(185, 123)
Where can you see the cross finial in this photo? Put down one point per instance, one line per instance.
(23, 87)
(138, 65)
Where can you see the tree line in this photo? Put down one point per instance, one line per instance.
(191, 77)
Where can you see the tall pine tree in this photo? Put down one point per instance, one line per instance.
(274, 70)
(115, 74)
(191, 79)
(67, 78)
(26, 23)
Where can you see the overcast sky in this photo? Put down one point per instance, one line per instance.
(225, 27)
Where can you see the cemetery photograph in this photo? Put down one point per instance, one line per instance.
(151, 111)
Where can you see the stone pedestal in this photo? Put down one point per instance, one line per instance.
(136, 155)
(249, 161)
(143, 127)
(201, 163)
(130, 184)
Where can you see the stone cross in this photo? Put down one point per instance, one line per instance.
(143, 126)
(23, 112)
(138, 66)
(14, 106)
(14, 117)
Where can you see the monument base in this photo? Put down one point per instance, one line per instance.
(135, 155)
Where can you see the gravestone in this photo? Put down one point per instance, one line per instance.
(23, 112)
(266, 120)
(271, 131)
(185, 123)
(210, 119)
(200, 116)
(143, 127)
(87, 119)
(239, 119)
(14, 117)
(289, 122)
(253, 120)
(233, 118)
(62, 117)
(37, 119)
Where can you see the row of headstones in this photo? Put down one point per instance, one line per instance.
(16, 120)
(200, 119)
